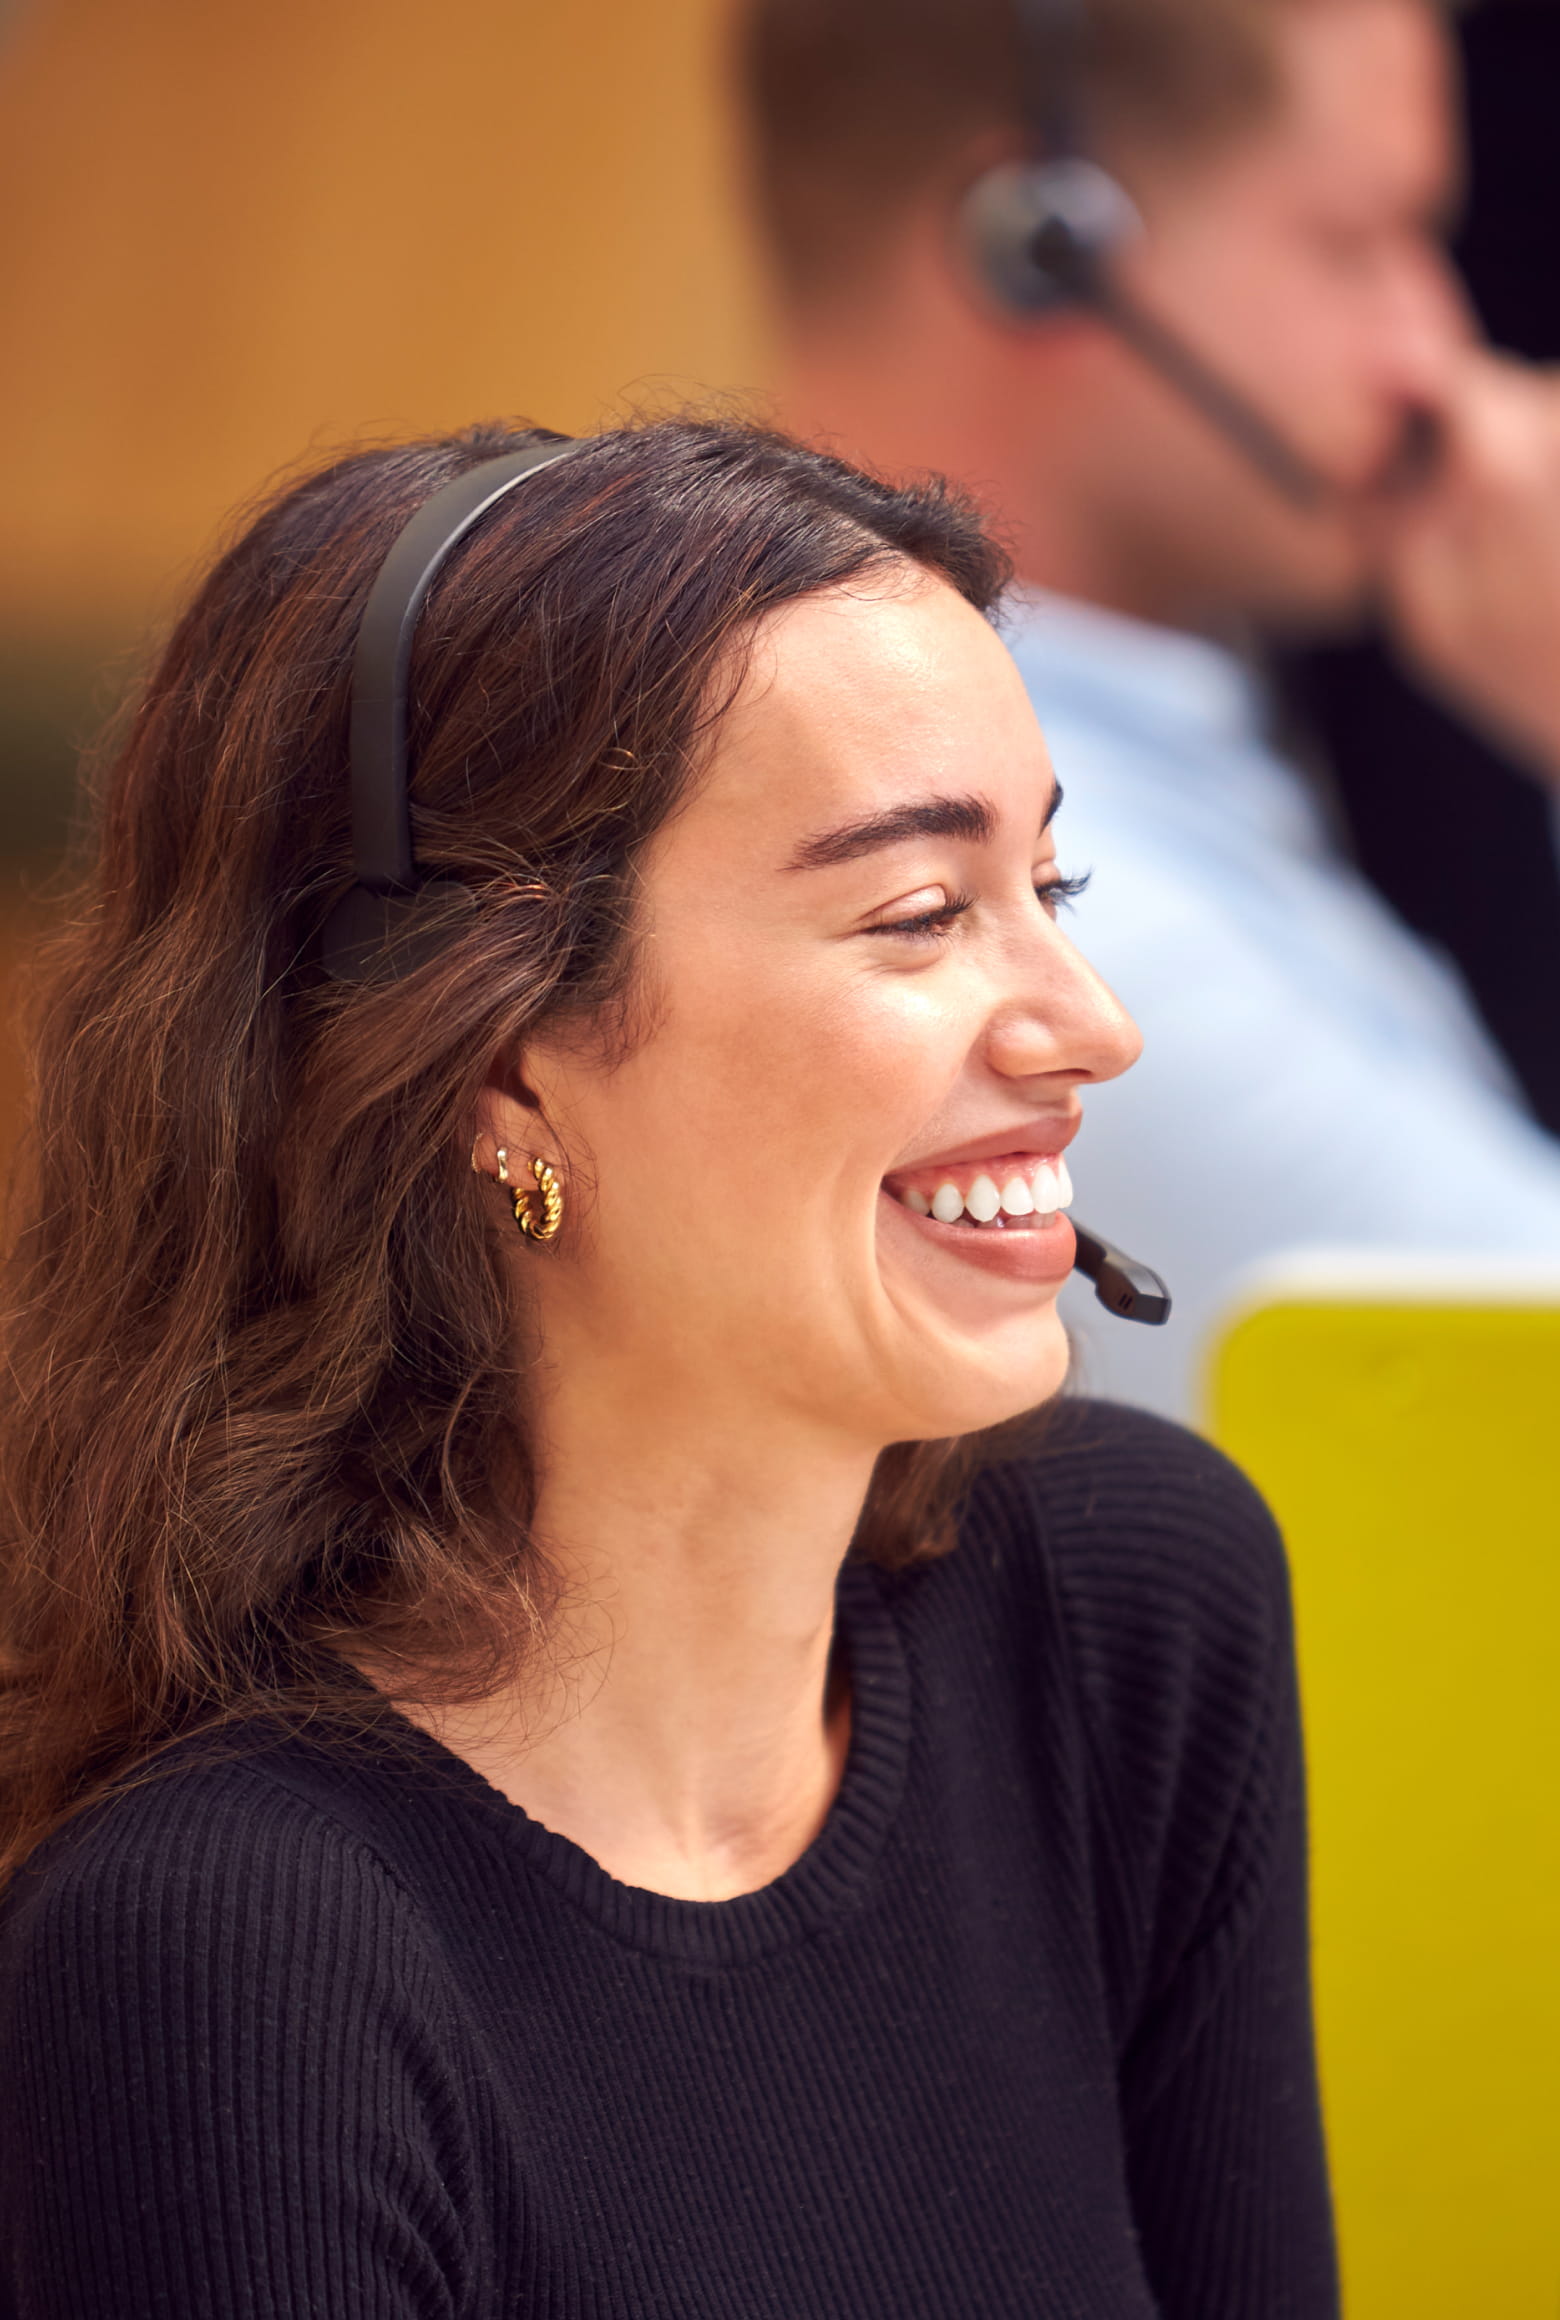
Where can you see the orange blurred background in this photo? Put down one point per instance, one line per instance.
(236, 237)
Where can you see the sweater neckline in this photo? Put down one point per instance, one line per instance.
(821, 1885)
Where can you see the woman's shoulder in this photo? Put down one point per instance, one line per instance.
(1151, 1567)
(244, 1842)
(219, 2011)
(1151, 1581)
(1142, 1529)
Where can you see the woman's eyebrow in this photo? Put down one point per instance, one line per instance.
(973, 819)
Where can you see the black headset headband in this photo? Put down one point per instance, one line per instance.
(367, 922)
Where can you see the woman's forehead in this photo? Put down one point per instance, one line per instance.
(855, 699)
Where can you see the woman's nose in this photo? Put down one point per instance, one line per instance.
(1069, 1023)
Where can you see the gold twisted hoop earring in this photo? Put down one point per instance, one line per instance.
(548, 1189)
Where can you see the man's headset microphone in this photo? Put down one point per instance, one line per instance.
(1043, 232)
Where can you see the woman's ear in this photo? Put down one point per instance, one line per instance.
(509, 1109)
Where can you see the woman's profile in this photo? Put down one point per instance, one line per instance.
(582, 1733)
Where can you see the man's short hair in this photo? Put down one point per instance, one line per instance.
(857, 106)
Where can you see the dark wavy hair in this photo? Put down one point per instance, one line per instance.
(258, 1406)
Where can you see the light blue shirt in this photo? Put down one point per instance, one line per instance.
(1313, 1073)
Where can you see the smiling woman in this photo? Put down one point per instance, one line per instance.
(609, 1766)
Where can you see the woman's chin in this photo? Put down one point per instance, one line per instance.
(965, 1388)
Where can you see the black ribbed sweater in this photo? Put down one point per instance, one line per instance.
(1025, 2032)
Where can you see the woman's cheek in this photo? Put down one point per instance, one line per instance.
(830, 1057)
(911, 1038)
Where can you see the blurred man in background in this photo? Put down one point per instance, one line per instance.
(1314, 1074)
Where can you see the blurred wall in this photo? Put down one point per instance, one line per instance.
(232, 233)
(234, 236)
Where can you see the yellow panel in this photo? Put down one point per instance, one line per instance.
(1412, 1454)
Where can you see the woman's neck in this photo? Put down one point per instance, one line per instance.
(686, 1723)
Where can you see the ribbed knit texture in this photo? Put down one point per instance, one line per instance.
(1025, 2032)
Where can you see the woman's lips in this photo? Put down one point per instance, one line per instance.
(1037, 1253)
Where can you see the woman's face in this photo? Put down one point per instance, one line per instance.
(854, 996)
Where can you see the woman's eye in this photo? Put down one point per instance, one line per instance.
(938, 919)
(922, 923)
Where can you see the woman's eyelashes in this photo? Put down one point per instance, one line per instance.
(1052, 894)
(1056, 893)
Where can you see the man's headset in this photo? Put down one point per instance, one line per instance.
(1044, 230)
(373, 930)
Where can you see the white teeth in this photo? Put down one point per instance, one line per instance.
(983, 1200)
(1045, 1189)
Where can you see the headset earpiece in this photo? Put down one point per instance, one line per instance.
(1042, 233)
